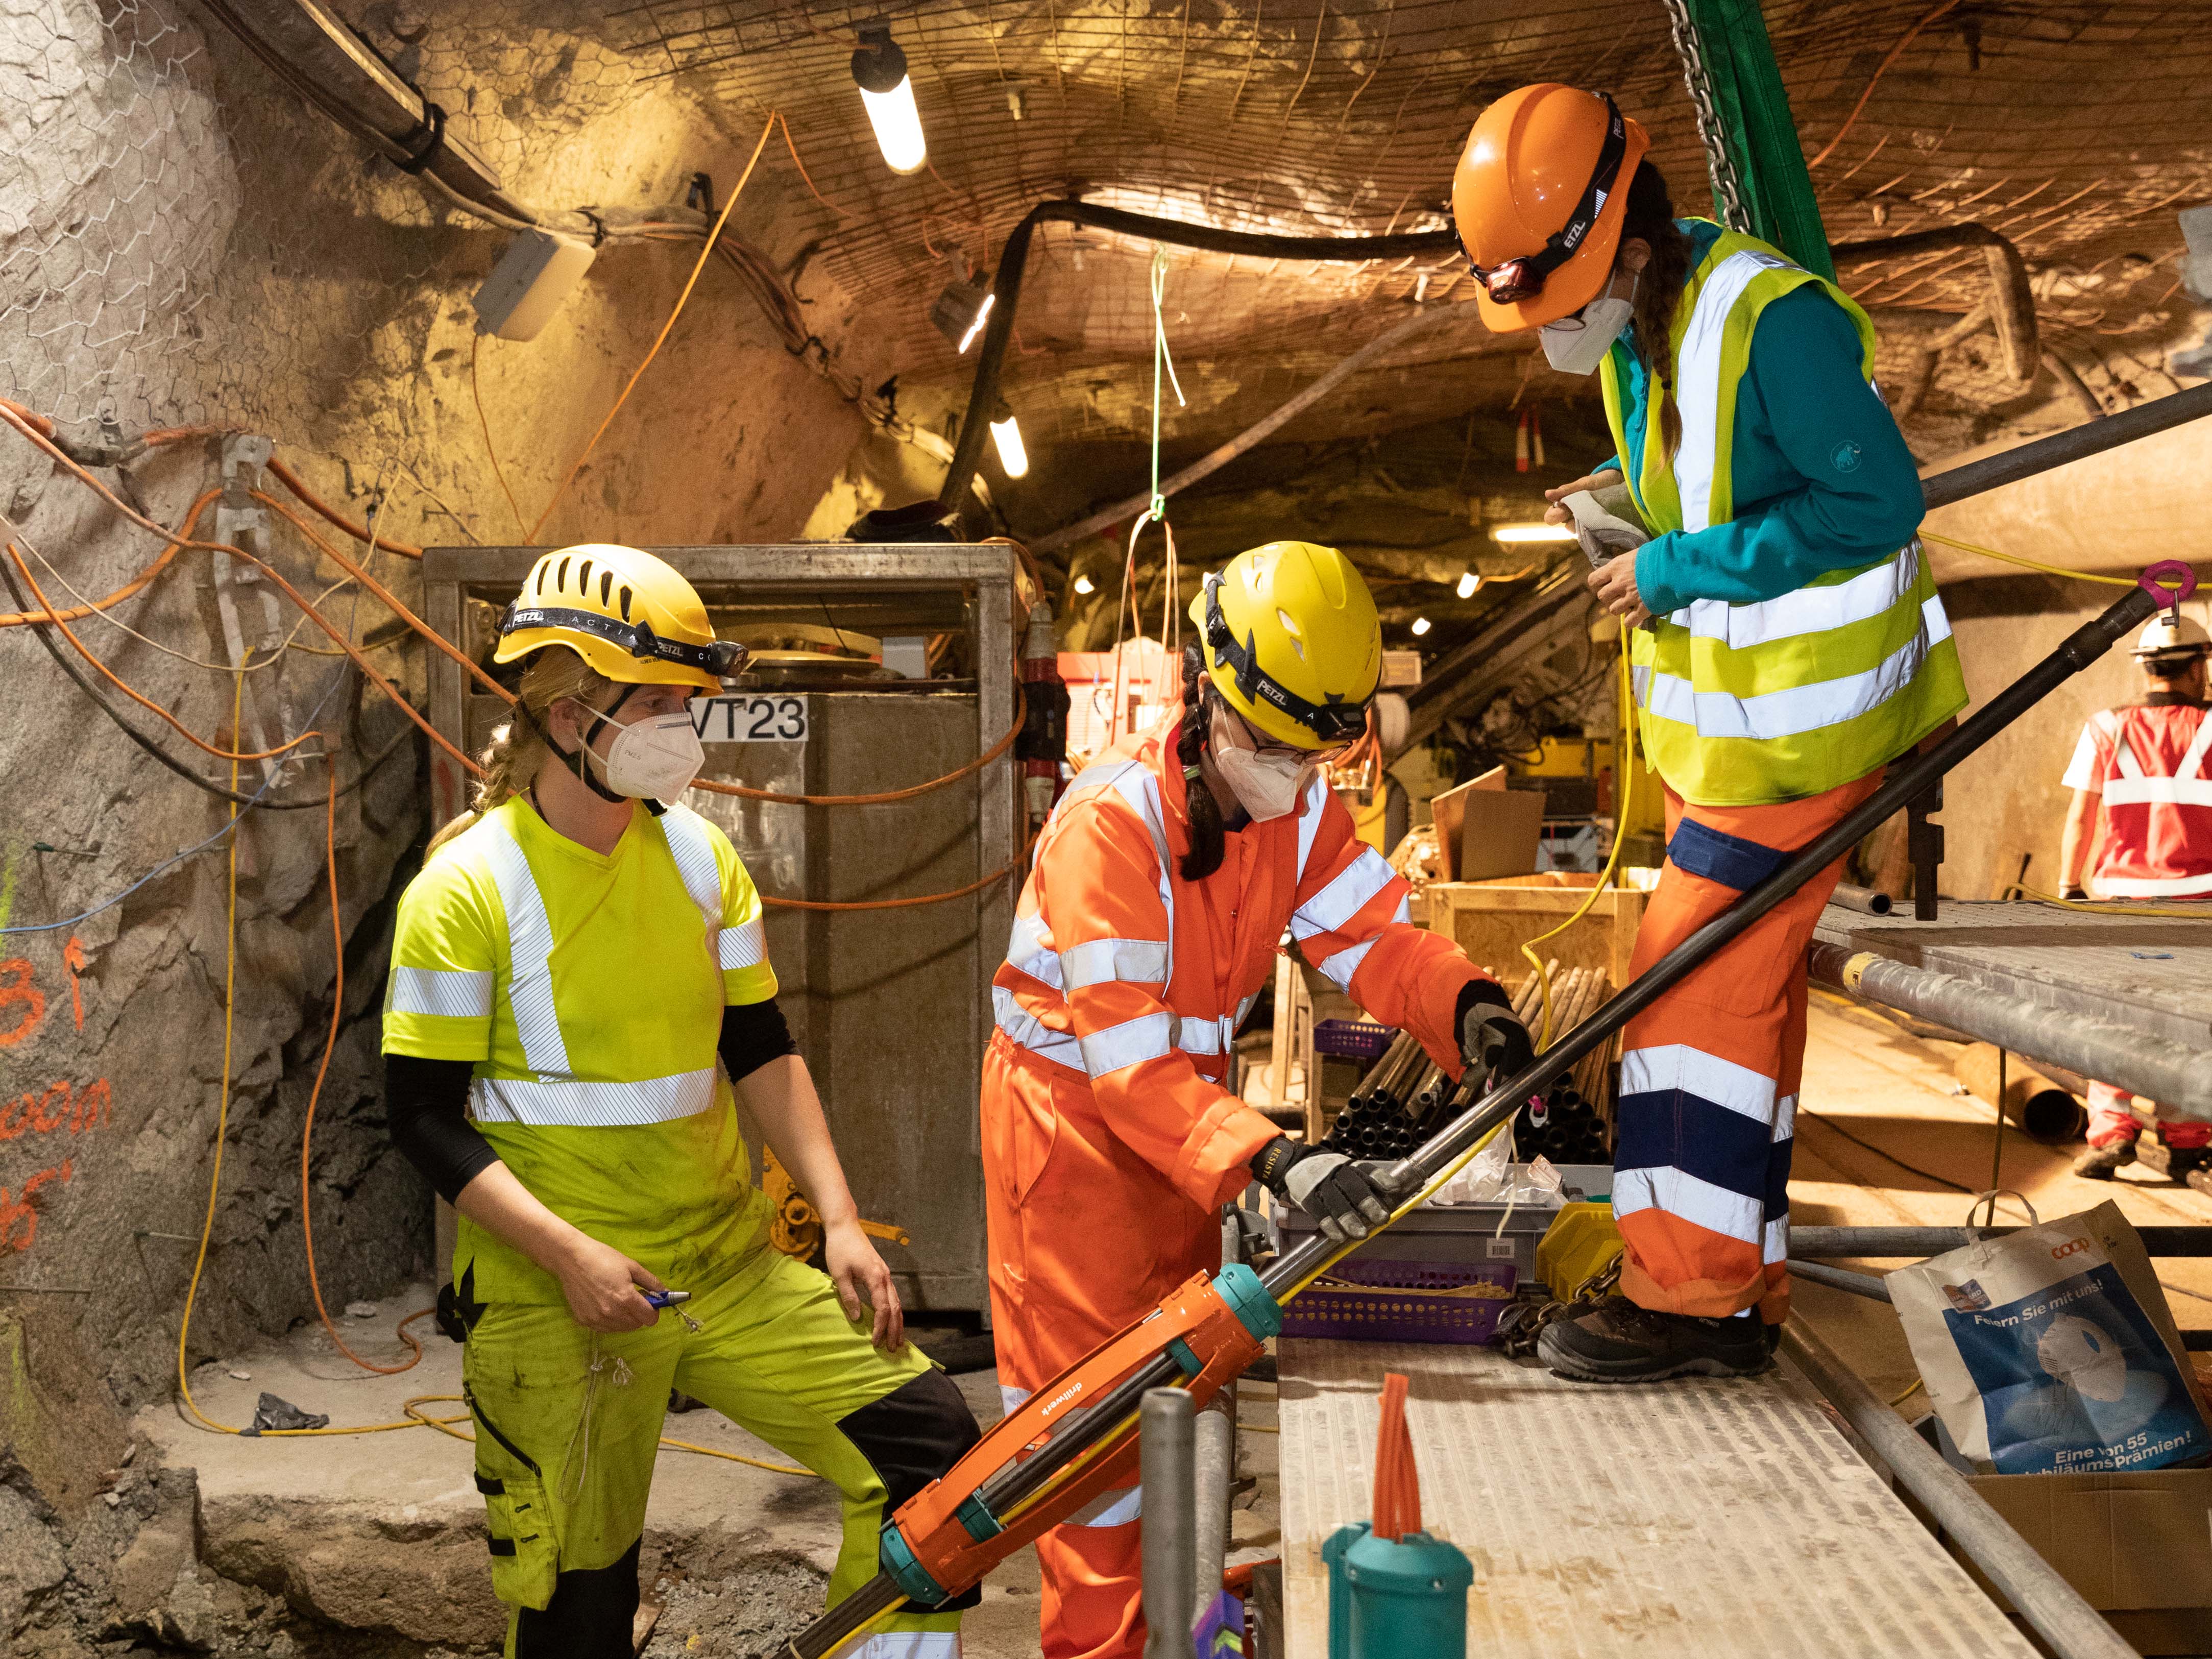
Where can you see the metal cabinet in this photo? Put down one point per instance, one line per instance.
(892, 1006)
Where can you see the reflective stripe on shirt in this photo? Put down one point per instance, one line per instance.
(745, 945)
(530, 954)
(687, 844)
(443, 993)
(577, 1103)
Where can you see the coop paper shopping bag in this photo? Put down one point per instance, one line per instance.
(2040, 1359)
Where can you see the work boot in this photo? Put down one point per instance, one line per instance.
(1618, 1341)
(2101, 1163)
(2192, 1165)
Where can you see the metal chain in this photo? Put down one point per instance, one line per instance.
(1728, 186)
(1523, 1323)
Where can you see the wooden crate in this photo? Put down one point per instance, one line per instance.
(1490, 921)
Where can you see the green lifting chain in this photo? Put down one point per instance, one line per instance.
(1760, 185)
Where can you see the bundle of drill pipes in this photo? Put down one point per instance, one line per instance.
(1576, 995)
(1374, 1122)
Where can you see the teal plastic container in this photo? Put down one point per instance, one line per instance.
(1392, 1600)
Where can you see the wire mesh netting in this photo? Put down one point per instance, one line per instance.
(183, 239)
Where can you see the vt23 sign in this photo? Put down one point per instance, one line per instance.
(758, 718)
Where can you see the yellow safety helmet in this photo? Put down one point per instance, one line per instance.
(627, 614)
(1291, 643)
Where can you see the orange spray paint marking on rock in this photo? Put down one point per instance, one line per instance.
(73, 959)
(15, 987)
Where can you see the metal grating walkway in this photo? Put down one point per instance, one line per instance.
(1702, 1519)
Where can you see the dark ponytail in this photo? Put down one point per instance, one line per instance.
(1650, 215)
(1199, 810)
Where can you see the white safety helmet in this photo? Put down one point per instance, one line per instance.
(2172, 638)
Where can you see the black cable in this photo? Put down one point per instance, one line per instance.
(1925, 1174)
(44, 637)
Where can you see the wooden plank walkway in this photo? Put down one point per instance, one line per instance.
(1698, 1519)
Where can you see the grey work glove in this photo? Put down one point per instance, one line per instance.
(1495, 1045)
(1337, 1193)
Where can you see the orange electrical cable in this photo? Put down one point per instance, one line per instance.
(315, 1094)
(790, 144)
(999, 874)
(886, 797)
(483, 424)
(12, 416)
(1881, 68)
(290, 480)
(690, 282)
(385, 596)
(177, 544)
(132, 692)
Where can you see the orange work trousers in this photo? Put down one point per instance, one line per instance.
(1709, 1073)
(1085, 1239)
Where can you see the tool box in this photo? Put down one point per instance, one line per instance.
(1475, 1233)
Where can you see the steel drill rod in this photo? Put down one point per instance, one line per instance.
(1087, 1426)
(2085, 646)
(2077, 442)
(1839, 1279)
(1167, 1469)
(1917, 1243)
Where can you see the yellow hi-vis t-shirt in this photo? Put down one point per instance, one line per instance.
(587, 991)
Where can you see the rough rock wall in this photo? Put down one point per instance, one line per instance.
(185, 243)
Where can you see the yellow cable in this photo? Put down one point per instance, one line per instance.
(2097, 908)
(1624, 772)
(1928, 535)
(691, 281)
(419, 1419)
(1907, 1395)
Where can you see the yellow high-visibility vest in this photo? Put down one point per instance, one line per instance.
(1747, 704)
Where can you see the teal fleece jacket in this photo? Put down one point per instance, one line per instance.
(1822, 478)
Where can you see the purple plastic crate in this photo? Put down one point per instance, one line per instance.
(1377, 1315)
(1352, 1039)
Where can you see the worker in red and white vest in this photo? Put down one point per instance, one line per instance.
(2140, 776)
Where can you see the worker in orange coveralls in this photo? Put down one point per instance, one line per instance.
(1163, 882)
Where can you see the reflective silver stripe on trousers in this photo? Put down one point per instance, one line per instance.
(1797, 708)
(1336, 904)
(745, 945)
(442, 993)
(909, 1644)
(691, 844)
(574, 1103)
(530, 955)
(1027, 1031)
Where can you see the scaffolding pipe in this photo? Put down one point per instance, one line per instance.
(2153, 1067)
(1839, 1278)
(1166, 1446)
(1872, 900)
(2051, 1608)
(2090, 438)
(1918, 1243)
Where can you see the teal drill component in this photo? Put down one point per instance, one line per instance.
(1180, 1351)
(976, 1517)
(1388, 1599)
(897, 1563)
(1240, 1287)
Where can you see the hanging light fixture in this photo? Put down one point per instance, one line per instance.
(1006, 433)
(960, 311)
(1084, 584)
(1469, 582)
(1421, 626)
(879, 70)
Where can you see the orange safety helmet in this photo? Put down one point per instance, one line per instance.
(1538, 199)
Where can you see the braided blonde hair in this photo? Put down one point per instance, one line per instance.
(510, 761)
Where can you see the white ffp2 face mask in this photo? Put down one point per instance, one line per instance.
(653, 758)
(1266, 786)
(1577, 344)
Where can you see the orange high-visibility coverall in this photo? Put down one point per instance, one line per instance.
(1110, 1140)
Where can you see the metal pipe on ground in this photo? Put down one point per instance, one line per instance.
(2039, 1108)
(1871, 900)
(1918, 1243)
(1839, 1279)
(2051, 1608)
(1166, 1440)
(2149, 1065)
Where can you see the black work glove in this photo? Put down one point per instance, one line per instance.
(1495, 1045)
(1340, 1195)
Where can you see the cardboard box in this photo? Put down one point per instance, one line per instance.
(2138, 1547)
(1449, 812)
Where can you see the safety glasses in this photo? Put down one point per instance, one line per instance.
(1513, 280)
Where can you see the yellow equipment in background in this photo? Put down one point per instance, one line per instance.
(796, 1229)
(1581, 1244)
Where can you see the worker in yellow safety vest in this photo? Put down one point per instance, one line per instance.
(579, 991)
(1789, 645)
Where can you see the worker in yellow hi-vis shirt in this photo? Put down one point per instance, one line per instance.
(579, 982)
